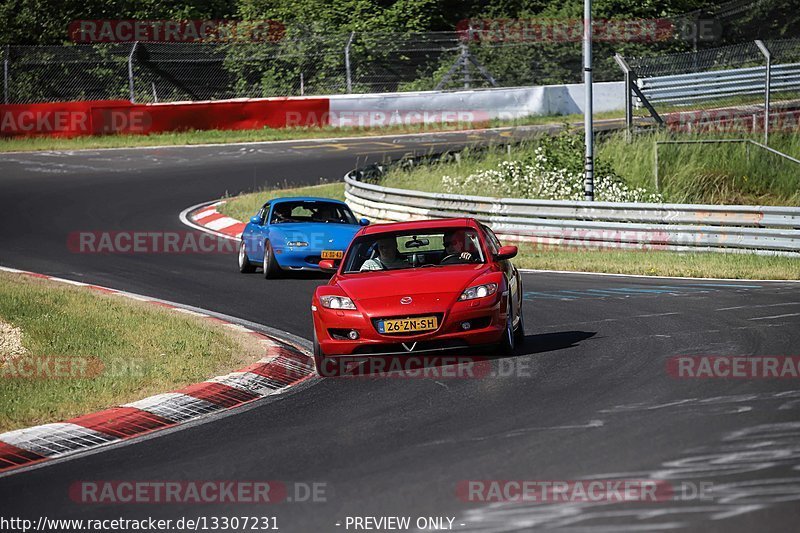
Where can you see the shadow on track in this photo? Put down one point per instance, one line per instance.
(548, 342)
(466, 362)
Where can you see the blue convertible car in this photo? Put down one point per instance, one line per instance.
(295, 234)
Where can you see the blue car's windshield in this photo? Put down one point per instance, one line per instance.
(311, 211)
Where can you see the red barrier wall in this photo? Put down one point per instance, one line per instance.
(72, 119)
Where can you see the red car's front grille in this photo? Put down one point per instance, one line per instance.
(424, 346)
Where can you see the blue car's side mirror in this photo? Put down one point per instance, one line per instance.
(256, 220)
(363, 222)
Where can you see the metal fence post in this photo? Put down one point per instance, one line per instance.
(130, 72)
(767, 86)
(655, 167)
(6, 61)
(465, 65)
(465, 58)
(588, 181)
(626, 69)
(347, 63)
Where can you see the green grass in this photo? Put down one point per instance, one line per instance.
(704, 174)
(729, 173)
(144, 350)
(266, 134)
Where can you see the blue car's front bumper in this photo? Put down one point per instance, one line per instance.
(298, 258)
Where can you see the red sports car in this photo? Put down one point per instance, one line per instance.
(418, 287)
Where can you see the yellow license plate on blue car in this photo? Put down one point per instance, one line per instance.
(332, 254)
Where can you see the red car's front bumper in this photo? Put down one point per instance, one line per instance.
(487, 318)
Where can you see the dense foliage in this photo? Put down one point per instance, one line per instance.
(45, 22)
(384, 57)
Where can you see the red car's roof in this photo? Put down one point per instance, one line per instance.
(420, 224)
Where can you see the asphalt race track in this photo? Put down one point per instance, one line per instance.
(587, 396)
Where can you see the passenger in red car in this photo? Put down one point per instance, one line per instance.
(388, 257)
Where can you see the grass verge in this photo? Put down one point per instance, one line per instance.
(709, 173)
(653, 263)
(112, 350)
(262, 135)
(726, 173)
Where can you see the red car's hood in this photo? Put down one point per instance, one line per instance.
(410, 282)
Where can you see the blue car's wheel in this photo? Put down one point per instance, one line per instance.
(245, 266)
(271, 267)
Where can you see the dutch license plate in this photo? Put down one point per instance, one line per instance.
(332, 254)
(407, 325)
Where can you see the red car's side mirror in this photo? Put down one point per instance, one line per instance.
(506, 252)
(326, 265)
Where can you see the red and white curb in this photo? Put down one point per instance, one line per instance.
(205, 217)
(285, 365)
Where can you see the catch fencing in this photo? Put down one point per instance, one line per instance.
(297, 64)
(726, 88)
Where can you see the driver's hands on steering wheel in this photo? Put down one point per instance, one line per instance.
(464, 256)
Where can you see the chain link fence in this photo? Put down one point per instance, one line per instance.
(299, 64)
(725, 88)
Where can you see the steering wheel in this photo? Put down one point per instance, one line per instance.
(449, 257)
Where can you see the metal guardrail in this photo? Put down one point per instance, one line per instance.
(715, 84)
(678, 227)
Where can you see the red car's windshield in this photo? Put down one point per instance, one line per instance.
(426, 248)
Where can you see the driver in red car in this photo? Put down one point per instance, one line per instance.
(461, 245)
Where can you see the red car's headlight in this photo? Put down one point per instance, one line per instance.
(337, 302)
(478, 291)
